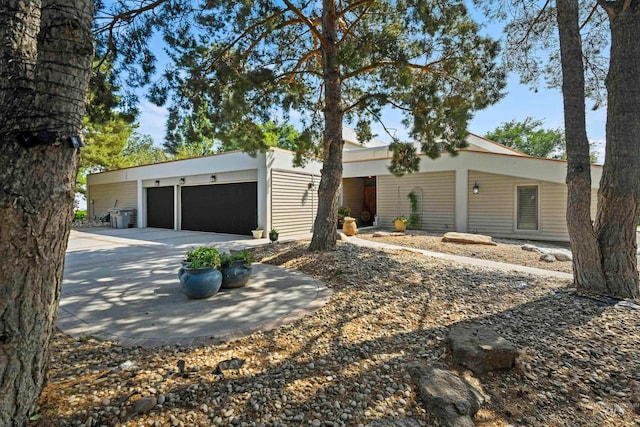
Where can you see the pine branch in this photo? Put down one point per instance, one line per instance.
(306, 21)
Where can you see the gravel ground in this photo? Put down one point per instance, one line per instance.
(506, 250)
(344, 364)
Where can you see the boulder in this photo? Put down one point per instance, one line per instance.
(480, 349)
(561, 254)
(449, 397)
(548, 258)
(145, 404)
(468, 238)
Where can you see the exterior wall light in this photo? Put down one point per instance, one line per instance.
(156, 183)
(310, 185)
(182, 180)
(212, 178)
(476, 188)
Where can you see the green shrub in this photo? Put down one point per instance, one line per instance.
(80, 215)
(203, 257)
(245, 256)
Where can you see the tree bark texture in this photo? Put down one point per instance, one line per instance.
(324, 228)
(587, 268)
(618, 197)
(46, 48)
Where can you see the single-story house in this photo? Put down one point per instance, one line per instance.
(486, 188)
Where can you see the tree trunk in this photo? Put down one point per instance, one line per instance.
(324, 228)
(620, 185)
(587, 268)
(46, 53)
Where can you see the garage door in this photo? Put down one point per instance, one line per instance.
(160, 207)
(220, 208)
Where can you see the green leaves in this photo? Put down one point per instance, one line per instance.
(530, 138)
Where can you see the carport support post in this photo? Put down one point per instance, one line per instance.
(462, 199)
(176, 207)
(264, 190)
(141, 214)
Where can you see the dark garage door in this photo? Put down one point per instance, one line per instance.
(220, 208)
(160, 207)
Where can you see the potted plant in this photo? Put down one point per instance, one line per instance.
(257, 233)
(236, 269)
(273, 235)
(400, 223)
(199, 276)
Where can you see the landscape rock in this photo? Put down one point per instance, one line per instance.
(468, 238)
(480, 349)
(145, 404)
(531, 248)
(394, 422)
(446, 395)
(561, 254)
(548, 258)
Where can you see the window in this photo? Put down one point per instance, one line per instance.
(527, 207)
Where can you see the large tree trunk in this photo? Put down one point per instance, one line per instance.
(619, 192)
(587, 269)
(324, 228)
(45, 57)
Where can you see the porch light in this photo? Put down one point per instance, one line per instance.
(182, 180)
(476, 188)
(156, 183)
(212, 178)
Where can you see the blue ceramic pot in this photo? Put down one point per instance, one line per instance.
(235, 275)
(200, 283)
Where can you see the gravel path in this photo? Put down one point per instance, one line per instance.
(344, 364)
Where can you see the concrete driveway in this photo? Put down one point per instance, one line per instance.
(122, 285)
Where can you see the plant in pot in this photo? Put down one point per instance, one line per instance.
(273, 235)
(236, 269)
(400, 223)
(257, 233)
(199, 276)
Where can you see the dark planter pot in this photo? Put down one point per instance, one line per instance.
(273, 236)
(235, 275)
(198, 283)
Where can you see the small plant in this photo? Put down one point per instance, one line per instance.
(414, 218)
(203, 257)
(401, 218)
(273, 234)
(80, 215)
(343, 212)
(246, 257)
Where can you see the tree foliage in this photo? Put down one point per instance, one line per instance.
(530, 138)
(238, 64)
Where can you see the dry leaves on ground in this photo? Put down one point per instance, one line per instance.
(344, 364)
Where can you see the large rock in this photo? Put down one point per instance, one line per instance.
(447, 396)
(467, 238)
(480, 349)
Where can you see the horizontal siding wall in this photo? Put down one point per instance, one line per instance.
(436, 199)
(493, 210)
(293, 204)
(107, 196)
(353, 195)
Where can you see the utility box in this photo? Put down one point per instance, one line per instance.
(122, 217)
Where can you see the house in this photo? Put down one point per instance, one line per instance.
(486, 188)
